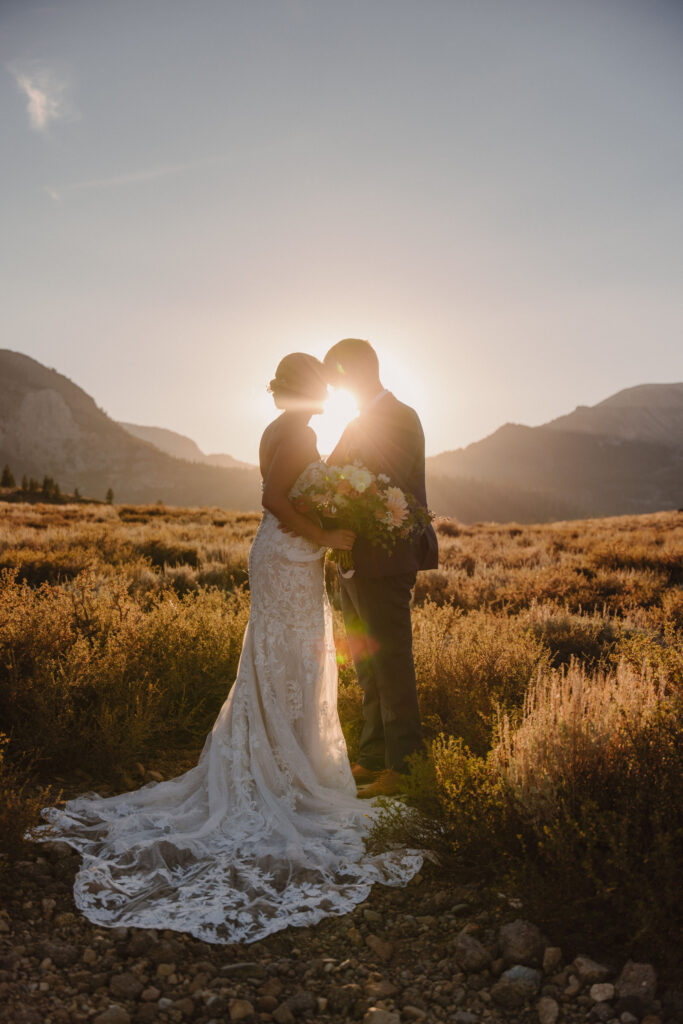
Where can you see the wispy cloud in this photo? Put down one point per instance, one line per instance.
(45, 91)
(131, 178)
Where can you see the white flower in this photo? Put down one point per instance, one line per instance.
(360, 479)
(382, 478)
(312, 476)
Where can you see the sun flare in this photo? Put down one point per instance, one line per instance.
(340, 409)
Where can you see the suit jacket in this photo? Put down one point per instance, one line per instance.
(388, 438)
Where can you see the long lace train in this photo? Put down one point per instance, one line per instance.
(266, 831)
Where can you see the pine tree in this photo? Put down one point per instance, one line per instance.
(7, 479)
(110, 497)
(24, 483)
(77, 494)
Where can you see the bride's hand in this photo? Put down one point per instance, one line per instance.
(340, 540)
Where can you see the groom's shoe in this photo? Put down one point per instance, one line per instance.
(386, 783)
(362, 775)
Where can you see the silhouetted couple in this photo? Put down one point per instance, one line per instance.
(267, 830)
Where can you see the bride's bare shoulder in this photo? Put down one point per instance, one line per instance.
(290, 438)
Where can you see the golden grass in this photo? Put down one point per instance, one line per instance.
(550, 670)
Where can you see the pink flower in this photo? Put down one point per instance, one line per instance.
(397, 506)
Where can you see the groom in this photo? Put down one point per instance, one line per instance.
(386, 437)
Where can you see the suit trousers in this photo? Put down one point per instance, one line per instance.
(377, 619)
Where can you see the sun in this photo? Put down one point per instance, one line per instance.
(340, 409)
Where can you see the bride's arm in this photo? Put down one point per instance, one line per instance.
(287, 464)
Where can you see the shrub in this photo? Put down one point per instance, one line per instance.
(591, 637)
(579, 806)
(94, 679)
(595, 779)
(470, 666)
(20, 806)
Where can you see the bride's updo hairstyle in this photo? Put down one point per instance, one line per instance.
(299, 382)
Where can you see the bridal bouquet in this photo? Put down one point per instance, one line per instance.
(363, 502)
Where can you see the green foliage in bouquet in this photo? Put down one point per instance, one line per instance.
(362, 501)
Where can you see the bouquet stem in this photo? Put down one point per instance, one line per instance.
(344, 560)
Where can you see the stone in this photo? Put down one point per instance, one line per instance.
(67, 917)
(380, 988)
(413, 1013)
(651, 1019)
(383, 949)
(589, 971)
(573, 987)
(377, 1016)
(165, 970)
(48, 906)
(470, 954)
(637, 981)
(628, 1018)
(151, 994)
(466, 1017)
(272, 987)
(301, 1003)
(113, 1015)
(146, 1013)
(372, 917)
(602, 992)
(168, 951)
(239, 1009)
(266, 1004)
(516, 985)
(125, 986)
(142, 944)
(62, 954)
(344, 998)
(89, 956)
(548, 1010)
(185, 1006)
(521, 942)
(552, 959)
(283, 1015)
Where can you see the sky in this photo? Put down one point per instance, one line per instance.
(490, 191)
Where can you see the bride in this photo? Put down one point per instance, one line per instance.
(266, 831)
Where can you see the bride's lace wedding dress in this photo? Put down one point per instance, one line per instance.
(266, 831)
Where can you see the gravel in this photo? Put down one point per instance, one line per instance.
(421, 953)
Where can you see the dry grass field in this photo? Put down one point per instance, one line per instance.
(550, 669)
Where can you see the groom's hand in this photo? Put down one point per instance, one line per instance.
(286, 529)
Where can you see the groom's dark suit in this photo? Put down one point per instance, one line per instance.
(387, 438)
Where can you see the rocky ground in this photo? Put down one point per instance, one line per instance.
(423, 953)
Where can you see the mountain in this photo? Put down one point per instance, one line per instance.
(48, 425)
(649, 412)
(180, 446)
(623, 455)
